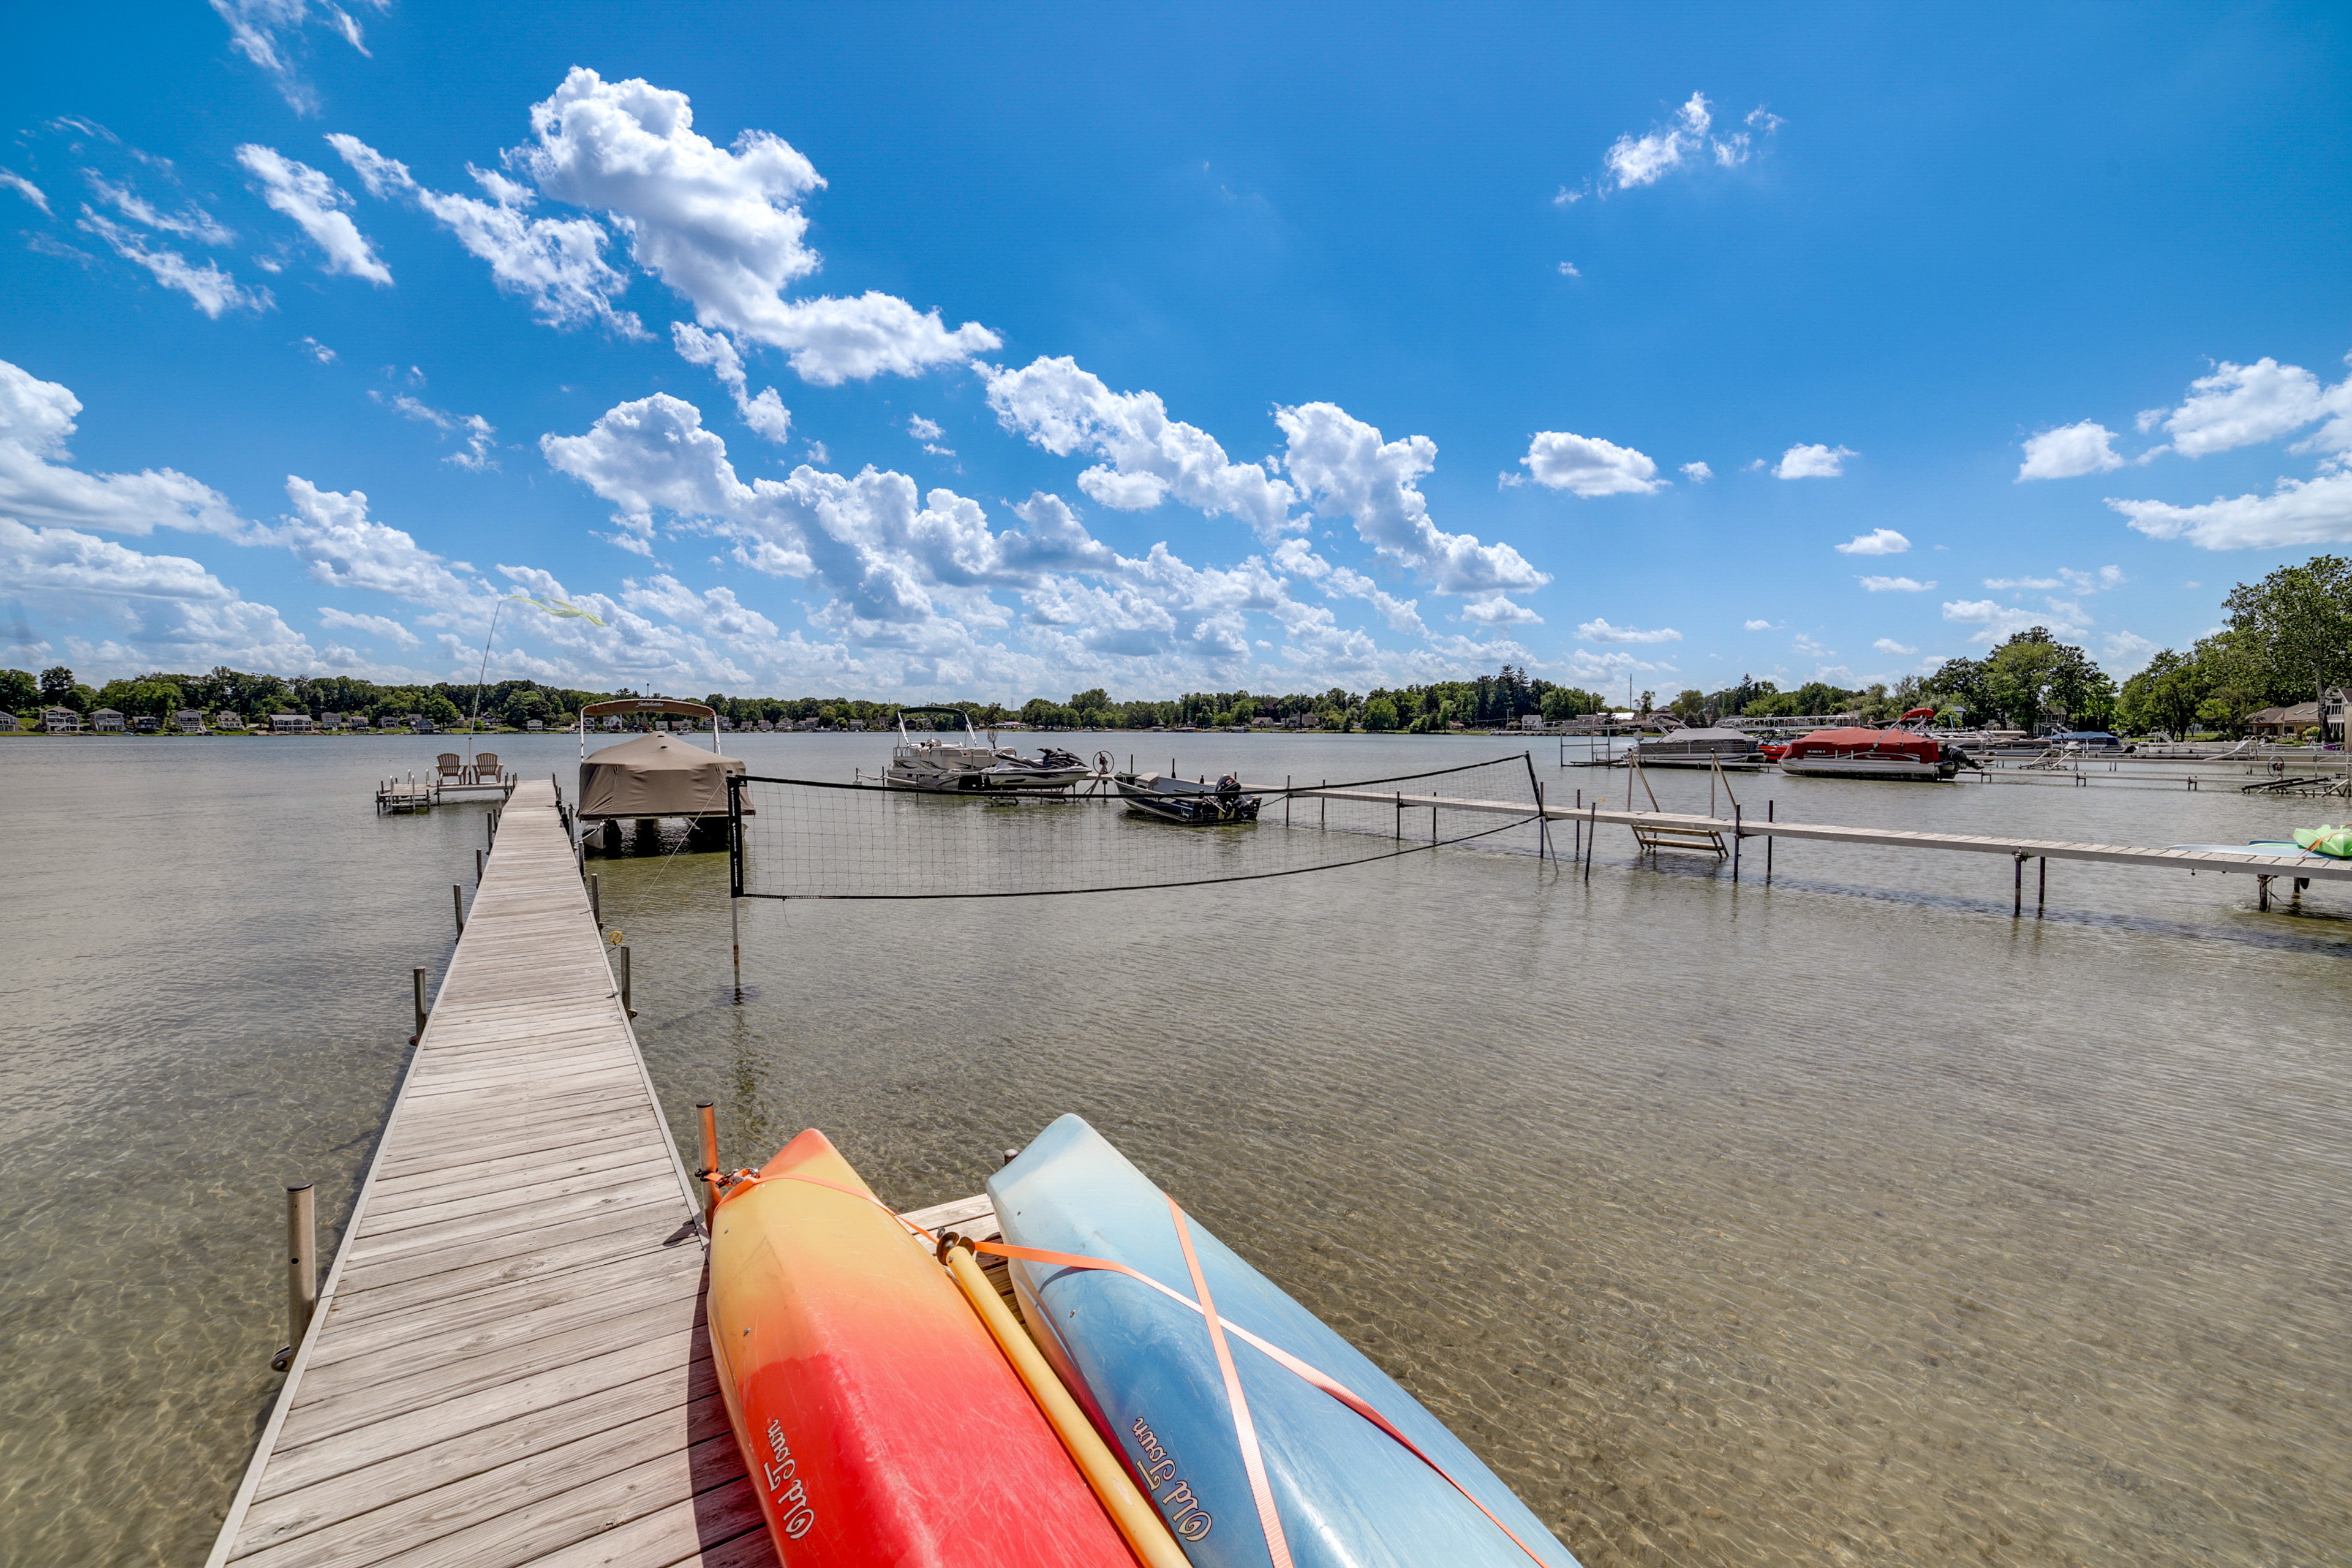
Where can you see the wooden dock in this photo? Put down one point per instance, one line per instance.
(508, 1364)
(2311, 868)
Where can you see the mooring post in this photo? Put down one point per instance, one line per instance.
(417, 978)
(1769, 816)
(1323, 808)
(625, 1009)
(1011, 1155)
(735, 929)
(708, 1174)
(2017, 903)
(1591, 833)
(1400, 817)
(477, 867)
(2042, 889)
(1736, 835)
(1433, 822)
(595, 902)
(2263, 894)
(301, 1269)
(457, 902)
(1286, 800)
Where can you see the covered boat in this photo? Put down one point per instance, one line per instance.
(1172, 799)
(880, 1423)
(654, 775)
(1248, 1457)
(1905, 750)
(1696, 748)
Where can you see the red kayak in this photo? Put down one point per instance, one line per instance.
(880, 1422)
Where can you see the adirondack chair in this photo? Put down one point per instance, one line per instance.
(450, 767)
(486, 767)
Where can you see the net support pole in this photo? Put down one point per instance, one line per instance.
(2042, 887)
(735, 874)
(1768, 844)
(1286, 800)
(1400, 817)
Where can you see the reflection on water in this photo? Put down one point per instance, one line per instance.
(1845, 1218)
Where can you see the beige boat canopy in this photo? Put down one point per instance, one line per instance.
(654, 775)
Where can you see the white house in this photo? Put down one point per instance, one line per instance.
(61, 720)
(290, 724)
(108, 720)
(225, 719)
(189, 722)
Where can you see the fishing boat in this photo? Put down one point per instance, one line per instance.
(880, 1421)
(1271, 1438)
(1190, 801)
(953, 765)
(1903, 751)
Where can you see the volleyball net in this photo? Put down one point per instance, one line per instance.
(807, 838)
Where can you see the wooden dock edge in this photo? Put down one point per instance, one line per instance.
(265, 1442)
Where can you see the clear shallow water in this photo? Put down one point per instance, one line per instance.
(1845, 1219)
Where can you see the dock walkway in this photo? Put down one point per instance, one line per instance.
(508, 1364)
(2242, 862)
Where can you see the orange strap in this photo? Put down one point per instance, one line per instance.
(1244, 1429)
(1219, 1326)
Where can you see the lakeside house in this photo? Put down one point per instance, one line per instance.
(189, 722)
(2283, 723)
(146, 724)
(107, 722)
(291, 724)
(60, 721)
(225, 719)
(359, 722)
(10, 726)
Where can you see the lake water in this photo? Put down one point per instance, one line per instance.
(1845, 1219)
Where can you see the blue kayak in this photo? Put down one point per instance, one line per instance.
(1345, 1493)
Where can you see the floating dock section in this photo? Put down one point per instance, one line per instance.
(508, 1364)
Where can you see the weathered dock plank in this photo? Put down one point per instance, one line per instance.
(509, 1365)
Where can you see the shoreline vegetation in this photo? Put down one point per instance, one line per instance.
(2288, 640)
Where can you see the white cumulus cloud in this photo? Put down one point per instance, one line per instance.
(1896, 585)
(2085, 447)
(1888, 645)
(315, 202)
(1146, 455)
(1697, 473)
(1589, 466)
(1813, 462)
(2242, 405)
(1877, 542)
(338, 620)
(1683, 142)
(766, 414)
(1996, 622)
(2298, 512)
(723, 227)
(1756, 625)
(1600, 630)
(1344, 468)
(37, 485)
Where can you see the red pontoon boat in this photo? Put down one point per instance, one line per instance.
(1904, 750)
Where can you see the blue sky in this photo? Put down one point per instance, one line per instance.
(979, 353)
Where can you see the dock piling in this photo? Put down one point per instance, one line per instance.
(1286, 800)
(477, 867)
(457, 904)
(709, 1173)
(416, 979)
(595, 902)
(735, 930)
(2016, 903)
(2041, 887)
(1011, 1155)
(1769, 816)
(301, 1269)
(624, 954)
(1736, 835)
